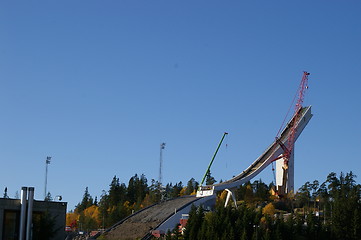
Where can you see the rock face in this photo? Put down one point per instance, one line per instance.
(141, 223)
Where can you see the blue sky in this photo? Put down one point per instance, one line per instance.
(99, 85)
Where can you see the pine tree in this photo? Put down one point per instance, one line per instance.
(191, 186)
(86, 202)
(6, 193)
(209, 179)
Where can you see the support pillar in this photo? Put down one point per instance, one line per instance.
(285, 177)
(230, 193)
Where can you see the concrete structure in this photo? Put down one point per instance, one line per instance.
(10, 212)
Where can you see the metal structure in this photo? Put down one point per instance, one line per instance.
(162, 146)
(47, 162)
(214, 156)
(285, 169)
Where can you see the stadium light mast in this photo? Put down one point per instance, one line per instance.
(162, 146)
(47, 162)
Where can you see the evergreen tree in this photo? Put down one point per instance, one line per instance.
(261, 190)
(104, 205)
(194, 223)
(86, 202)
(117, 192)
(192, 185)
(131, 191)
(177, 188)
(6, 193)
(209, 179)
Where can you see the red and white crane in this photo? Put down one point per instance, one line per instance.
(288, 146)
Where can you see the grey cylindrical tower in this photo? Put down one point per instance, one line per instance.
(24, 192)
(29, 222)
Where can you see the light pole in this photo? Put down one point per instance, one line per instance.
(47, 162)
(162, 146)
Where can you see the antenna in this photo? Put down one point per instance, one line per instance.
(162, 146)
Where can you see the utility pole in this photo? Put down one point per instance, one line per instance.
(47, 162)
(162, 146)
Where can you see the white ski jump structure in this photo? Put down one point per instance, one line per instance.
(206, 197)
(272, 152)
(281, 151)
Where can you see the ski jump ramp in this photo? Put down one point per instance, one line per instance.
(271, 153)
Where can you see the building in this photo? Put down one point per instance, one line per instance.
(45, 217)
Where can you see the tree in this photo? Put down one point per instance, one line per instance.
(345, 195)
(86, 202)
(303, 196)
(192, 186)
(177, 188)
(6, 193)
(261, 190)
(117, 192)
(194, 224)
(209, 179)
(103, 208)
(269, 209)
(71, 219)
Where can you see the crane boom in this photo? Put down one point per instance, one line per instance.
(296, 116)
(214, 156)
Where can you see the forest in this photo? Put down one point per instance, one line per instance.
(328, 210)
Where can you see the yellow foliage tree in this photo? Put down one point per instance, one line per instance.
(147, 201)
(269, 209)
(71, 218)
(93, 212)
(182, 192)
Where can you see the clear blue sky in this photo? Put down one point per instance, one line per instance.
(99, 85)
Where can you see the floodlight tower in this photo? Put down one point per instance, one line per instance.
(162, 146)
(47, 162)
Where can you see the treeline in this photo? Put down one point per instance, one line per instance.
(121, 200)
(330, 210)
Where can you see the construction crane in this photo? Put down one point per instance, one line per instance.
(288, 147)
